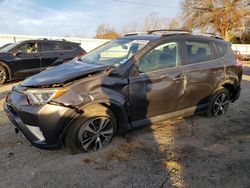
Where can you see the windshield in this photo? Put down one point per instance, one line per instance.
(115, 52)
(9, 47)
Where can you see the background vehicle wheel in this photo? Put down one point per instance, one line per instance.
(3, 75)
(93, 131)
(219, 103)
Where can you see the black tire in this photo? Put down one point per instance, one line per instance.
(3, 75)
(79, 134)
(219, 103)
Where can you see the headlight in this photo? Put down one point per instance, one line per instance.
(44, 95)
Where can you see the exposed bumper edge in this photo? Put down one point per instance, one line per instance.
(33, 134)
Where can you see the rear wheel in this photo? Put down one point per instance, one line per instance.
(91, 132)
(3, 75)
(219, 103)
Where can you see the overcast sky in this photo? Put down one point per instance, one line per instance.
(77, 17)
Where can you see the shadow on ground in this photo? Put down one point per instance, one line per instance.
(191, 152)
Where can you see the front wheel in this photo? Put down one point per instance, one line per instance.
(91, 132)
(219, 103)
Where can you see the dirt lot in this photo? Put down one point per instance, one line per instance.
(192, 152)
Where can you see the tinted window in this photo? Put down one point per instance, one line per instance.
(198, 51)
(67, 46)
(48, 46)
(161, 57)
(221, 48)
(56, 46)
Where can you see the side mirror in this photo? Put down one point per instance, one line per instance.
(17, 53)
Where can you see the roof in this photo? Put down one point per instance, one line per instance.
(156, 34)
(142, 37)
(48, 40)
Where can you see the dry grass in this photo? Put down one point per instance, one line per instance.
(124, 151)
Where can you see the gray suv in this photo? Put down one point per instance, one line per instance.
(129, 82)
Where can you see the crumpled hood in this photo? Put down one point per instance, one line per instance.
(62, 73)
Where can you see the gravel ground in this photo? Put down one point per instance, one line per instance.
(184, 152)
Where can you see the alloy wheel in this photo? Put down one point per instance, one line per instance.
(221, 104)
(3, 76)
(95, 133)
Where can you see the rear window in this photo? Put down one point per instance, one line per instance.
(221, 48)
(198, 51)
(68, 46)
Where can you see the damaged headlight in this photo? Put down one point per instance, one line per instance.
(37, 96)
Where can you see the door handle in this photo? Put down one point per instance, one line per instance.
(179, 78)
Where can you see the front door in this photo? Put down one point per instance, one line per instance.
(26, 62)
(158, 83)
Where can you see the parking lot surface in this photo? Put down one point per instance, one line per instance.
(194, 151)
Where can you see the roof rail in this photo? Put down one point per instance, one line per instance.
(135, 33)
(169, 30)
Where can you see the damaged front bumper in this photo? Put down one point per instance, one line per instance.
(43, 125)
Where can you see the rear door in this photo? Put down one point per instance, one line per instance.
(156, 85)
(51, 53)
(26, 62)
(204, 71)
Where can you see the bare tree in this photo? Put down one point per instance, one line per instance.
(105, 31)
(129, 28)
(154, 21)
(223, 16)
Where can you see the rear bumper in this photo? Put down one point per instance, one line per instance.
(42, 125)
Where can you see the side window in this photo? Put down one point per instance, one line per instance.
(198, 51)
(56, 46)
(164, 56)
(31, 47)
(67, 46)
(48, 47)
(221, 48)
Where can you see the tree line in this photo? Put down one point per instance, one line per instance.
(229, 19)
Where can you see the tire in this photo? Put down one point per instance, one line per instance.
(3, 75)
(219, 103)
(92, 131)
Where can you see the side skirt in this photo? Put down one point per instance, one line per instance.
(185, 112)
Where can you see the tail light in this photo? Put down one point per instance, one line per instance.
(239, 62)
(82, 53)
(238, 58)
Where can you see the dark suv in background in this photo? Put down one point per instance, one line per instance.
(129, 82)
(26, 58)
